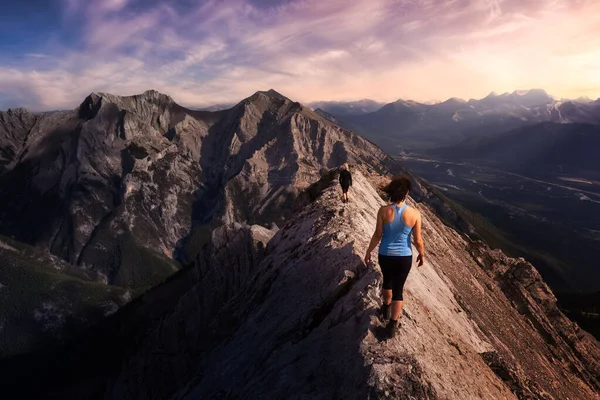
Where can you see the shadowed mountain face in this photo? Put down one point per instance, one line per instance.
(411, 126)
(545, 150)
(15, 126)
(294, 314)
(45, 301)
(122, 189)
(115, 185)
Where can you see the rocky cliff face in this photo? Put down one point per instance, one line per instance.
(122, 187)
(118, 185)
(15, 126)
(298, 319)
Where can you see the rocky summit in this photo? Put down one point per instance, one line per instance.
(293, 314)
(118, 184)
(126, 190)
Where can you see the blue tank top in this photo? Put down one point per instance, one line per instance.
(396, 236)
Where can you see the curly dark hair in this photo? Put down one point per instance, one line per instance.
(398, 188)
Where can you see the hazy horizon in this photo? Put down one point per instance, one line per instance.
(53, 54)
(232, 103)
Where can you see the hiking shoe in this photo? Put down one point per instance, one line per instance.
(386, 311)
(392, 328)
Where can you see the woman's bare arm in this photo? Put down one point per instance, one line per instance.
(418, 240)
(376, 236)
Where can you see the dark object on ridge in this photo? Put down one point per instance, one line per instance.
(386, 312)
(392, 328)
(345, 179)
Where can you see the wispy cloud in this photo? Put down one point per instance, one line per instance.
(219, 51)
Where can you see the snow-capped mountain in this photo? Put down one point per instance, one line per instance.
(410, 125)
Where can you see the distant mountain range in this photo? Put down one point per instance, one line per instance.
(339, 108)
(407, 125)
(345, 108)
(218, 107)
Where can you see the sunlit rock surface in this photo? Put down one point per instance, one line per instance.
(298, 319)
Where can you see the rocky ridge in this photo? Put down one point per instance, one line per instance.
(125, 190)
(138, 174)
(15, 125)
(299, 319)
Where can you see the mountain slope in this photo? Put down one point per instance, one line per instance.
(124, 190)
(299, 320)
(15, 125)
(326, 115)
(119, 184)
(44, 301)
(276, 147)
(546, 149)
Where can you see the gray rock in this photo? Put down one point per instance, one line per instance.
(300, 320)
(120, 184)
(15, 126)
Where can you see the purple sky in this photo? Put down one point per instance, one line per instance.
(54, 53)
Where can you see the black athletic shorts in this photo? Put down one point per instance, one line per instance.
(395, 270)
(345, 188)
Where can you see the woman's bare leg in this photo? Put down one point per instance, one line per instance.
(396, 308)
(387, 296)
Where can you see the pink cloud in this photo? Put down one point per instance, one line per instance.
(311, 50)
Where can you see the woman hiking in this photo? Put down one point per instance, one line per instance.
(395, 223)
(345, 181)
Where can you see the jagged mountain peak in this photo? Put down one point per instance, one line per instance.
(147, 103)
(526, 98)
(285, 107)
(581, 99)
(539, 95)
(272, 93)
(406, 102)
(267, 98)
(147, 98)
(146, 95)
(154, 93)
(454, 100)
(530, 92)
(453, 104)
(19, 111)
(401, 106)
